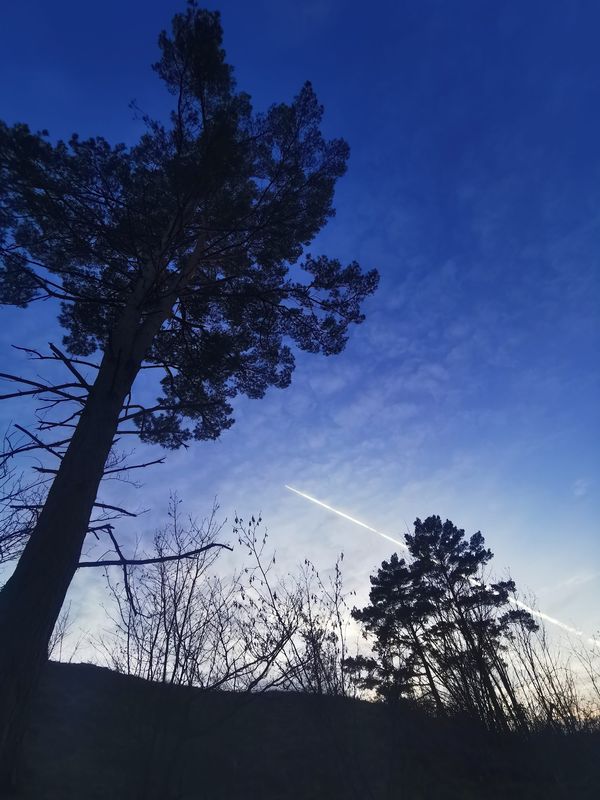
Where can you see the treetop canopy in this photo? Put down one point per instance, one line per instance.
(208, 216)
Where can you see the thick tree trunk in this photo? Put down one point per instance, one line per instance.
(31, 600)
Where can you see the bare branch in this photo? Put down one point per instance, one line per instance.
(40, 388)
(37, 356)
(40, 444)
(115, 508)
(134, 466)
(69, 365)
(138, 562)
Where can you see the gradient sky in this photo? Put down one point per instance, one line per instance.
(472, 390)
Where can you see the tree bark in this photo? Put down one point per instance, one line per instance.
(31, 600)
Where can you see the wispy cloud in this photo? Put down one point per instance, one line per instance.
(581, 487)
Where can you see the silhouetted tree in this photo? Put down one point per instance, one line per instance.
(397, 616)
(180, 254)
(440, 629)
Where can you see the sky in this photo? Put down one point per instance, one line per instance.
(472, 389)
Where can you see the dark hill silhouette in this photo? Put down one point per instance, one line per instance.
(98, 734)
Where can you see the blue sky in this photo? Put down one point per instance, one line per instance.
(472, 390)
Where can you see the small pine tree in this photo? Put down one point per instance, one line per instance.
(440, 629)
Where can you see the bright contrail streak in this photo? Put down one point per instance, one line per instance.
(514, 601)
(347, 516)
(554, 621)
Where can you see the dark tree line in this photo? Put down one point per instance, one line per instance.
(439, 634)
(184, 256)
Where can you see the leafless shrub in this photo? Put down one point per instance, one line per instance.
(178, 621)
(549, 679)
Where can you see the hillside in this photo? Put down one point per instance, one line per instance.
(97, 734)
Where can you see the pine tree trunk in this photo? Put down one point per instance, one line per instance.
(32, 598)
(496, 715)
(424, 660)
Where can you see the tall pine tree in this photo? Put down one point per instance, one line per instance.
(183, 254)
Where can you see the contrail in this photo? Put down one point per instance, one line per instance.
(554, 621)
(347, 516)
(514, 601)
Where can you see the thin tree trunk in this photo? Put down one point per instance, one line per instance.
(497, 712)
(430, 680)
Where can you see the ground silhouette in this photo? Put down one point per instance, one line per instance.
(98, 734)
